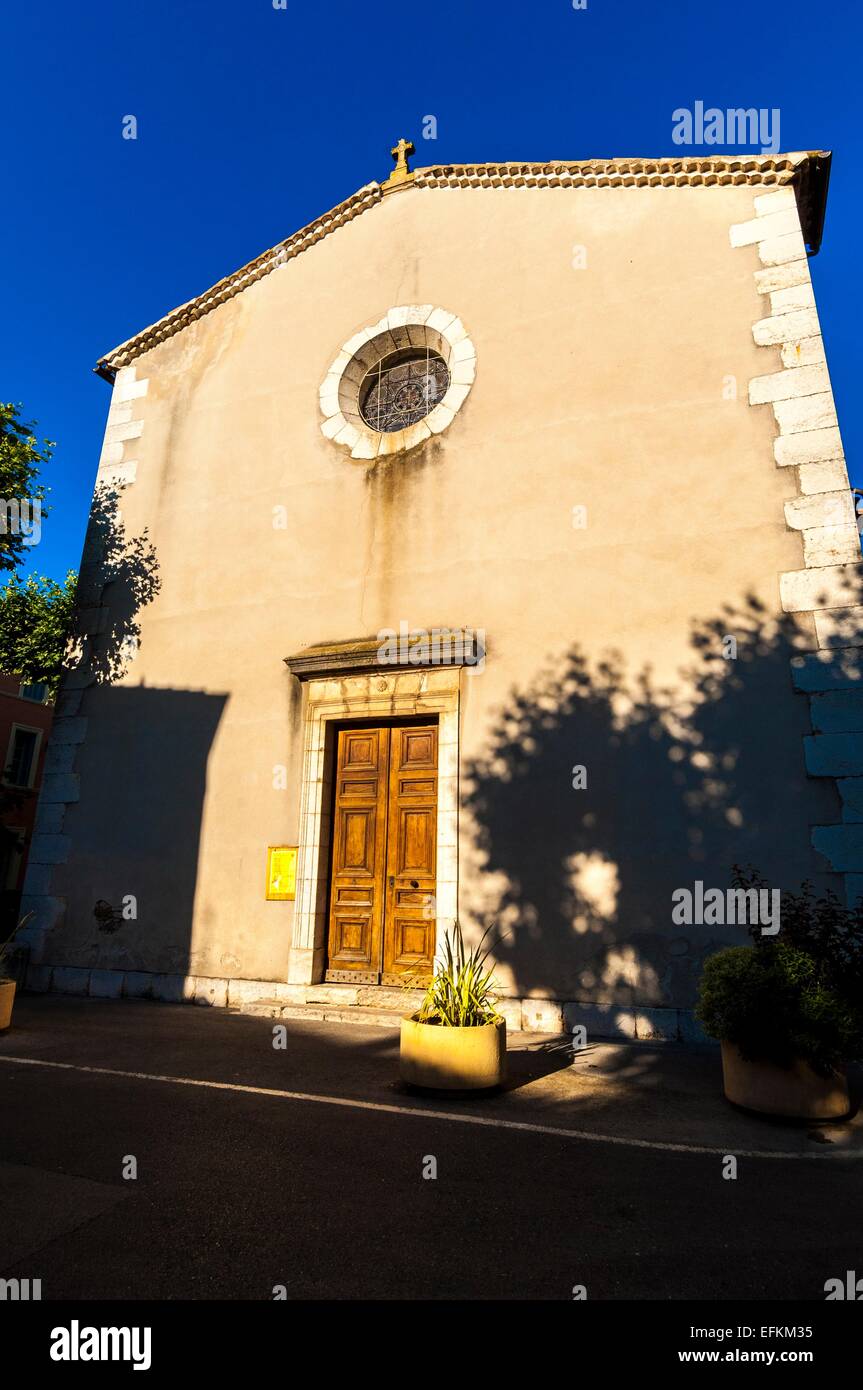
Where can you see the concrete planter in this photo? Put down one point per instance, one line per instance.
(7, 997)
(793, 1093)
(452, 1059)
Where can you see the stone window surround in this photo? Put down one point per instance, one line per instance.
(383, 694)
(408, 325)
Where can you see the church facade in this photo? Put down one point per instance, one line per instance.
(483, 552)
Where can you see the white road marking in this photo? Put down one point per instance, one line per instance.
(488, 1121)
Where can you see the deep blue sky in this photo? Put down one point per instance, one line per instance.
(252, 121)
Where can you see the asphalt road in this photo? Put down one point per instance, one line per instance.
(238, 1192)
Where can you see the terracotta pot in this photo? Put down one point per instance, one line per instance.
(7, 995)
(794, 1093)
(452, 1059)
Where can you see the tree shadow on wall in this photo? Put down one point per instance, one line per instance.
(134, 817)
(678, 785)
(119, 576)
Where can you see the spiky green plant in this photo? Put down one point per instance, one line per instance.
(5, 946)
(460, 993)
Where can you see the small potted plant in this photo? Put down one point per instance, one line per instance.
(7, 983)
(456, 1041)
(788, 1010)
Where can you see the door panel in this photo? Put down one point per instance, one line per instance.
(409, 933)
(382, 887)
(359, 846)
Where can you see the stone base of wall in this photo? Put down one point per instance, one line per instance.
(633, 1023)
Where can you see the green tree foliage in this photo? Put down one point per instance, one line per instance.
(36, 615)
(36, 620)
(21, 457)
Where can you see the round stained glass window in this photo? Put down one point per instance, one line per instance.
(397, 383)
(402, 389)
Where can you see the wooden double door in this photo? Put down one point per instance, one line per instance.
(384, 846)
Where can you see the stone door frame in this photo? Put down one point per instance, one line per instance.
(380, 694)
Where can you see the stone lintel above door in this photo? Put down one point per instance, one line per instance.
(391, 649)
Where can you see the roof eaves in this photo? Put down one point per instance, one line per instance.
(807, 171)
(239, 280)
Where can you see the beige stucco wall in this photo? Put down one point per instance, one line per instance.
(604, 387)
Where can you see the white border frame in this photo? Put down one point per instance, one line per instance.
(27, 729)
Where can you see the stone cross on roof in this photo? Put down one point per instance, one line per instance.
(400, 153)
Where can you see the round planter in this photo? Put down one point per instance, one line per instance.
(7, 995)
(452, 1059)
(792, 1093)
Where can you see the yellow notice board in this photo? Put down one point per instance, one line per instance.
(281, 872)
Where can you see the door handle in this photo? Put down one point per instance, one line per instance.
(392, 881)
(414, 883)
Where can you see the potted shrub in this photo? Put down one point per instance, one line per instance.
(456, 1041)
(7, 983)
(788, 1010)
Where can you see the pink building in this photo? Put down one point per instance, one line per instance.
(25, 722)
